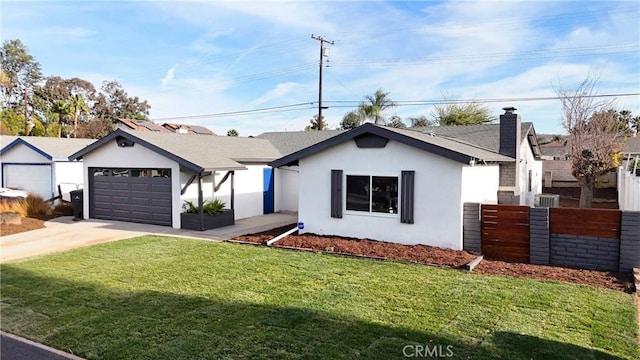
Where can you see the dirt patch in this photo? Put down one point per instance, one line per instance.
(441, 257)
(27, 225)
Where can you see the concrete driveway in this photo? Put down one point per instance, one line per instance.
(63, 233)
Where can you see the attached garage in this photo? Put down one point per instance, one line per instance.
(147, 177)
(135, 195)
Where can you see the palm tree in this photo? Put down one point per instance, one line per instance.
(77, 106)
(63, 109)
(375, 104)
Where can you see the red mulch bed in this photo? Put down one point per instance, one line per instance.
(27, 225)
(441, 257)
(603, 279)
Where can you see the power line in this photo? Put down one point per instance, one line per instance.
(281, 108)
(352, 103)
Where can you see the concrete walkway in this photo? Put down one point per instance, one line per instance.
(63, 233)
(14, 347)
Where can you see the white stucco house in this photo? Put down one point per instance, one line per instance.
(409, 185)
(146, 176)
(39, 165)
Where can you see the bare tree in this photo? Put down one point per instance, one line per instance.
(594, 135)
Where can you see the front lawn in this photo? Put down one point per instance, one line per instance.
(168, 298)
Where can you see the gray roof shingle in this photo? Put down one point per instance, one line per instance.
(486, 136)
(199, 152)
(631, 145)
(57, 148)
(451, 148)
(454, 144)
(291, 141)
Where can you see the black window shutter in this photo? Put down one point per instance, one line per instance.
(407, 194)
(336, 194)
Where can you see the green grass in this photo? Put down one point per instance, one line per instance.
(168, 298)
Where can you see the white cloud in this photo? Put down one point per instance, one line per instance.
(279, 92)
(168, 77)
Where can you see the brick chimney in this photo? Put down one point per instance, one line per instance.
(510, 133)
(510, 137)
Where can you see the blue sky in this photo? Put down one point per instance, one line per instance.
(196, 61)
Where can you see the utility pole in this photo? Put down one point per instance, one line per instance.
(26, 113)
(322, 41)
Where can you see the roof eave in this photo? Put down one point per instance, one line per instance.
(119, 132)
(375, 130)
(19, 141)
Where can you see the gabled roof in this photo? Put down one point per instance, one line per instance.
(291, 141)
(49, 147)
(486, 136)
(191, 129)
(196, 153)
(456, 150)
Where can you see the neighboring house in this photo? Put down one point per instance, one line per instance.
(144, 176)
(631, 147)
(144, 125)
(286, 177)
(409, 186)
(557, 169)
(187, 129)
(140, 125)
(39, 165)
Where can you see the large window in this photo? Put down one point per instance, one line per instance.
(372, 193)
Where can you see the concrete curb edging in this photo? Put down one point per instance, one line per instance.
(473, 263)
(18, 348)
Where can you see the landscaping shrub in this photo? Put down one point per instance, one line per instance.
(18, 206)
(37, 207)
(63, 209)
(209, 207)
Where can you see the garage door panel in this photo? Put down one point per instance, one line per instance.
(140, 202)
(140, 187)
(101, 198)
(160, 188)
(119, 199)
(160, 202)
(136, 199)
(102, 186)
(120, 187)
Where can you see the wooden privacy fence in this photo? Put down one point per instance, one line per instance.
(505, 232)
(602, 223)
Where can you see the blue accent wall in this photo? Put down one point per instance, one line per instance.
(268, 192)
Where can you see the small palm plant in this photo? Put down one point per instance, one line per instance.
(209, 207)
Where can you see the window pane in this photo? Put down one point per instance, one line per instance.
(358, 193)
(385, 194)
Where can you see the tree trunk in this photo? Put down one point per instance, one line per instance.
(75, 123)
(59, 125)
(586, 192)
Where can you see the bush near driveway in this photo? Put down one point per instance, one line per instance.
(165, 298)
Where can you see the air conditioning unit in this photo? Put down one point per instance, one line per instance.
(547, 200)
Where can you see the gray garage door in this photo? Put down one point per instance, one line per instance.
(135, 195)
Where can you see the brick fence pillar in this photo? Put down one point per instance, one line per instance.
(471, 234)
(630, 241)
(539, 236)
